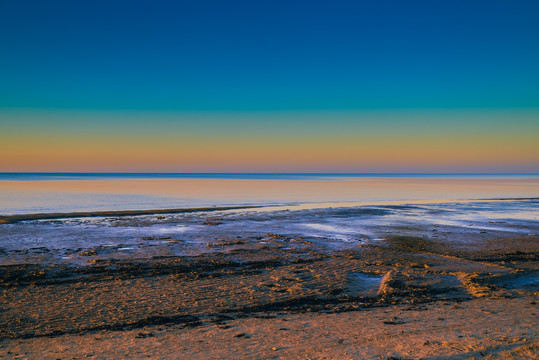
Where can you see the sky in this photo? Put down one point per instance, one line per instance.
(269, 86)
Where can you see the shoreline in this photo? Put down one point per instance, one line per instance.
(11, 219)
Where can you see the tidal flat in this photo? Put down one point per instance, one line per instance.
(448, 280)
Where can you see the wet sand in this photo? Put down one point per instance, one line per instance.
(429, 291)
(11, 219)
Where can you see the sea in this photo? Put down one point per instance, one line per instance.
(332, 211)
(53, 192)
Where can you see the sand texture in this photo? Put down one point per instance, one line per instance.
(425, 292)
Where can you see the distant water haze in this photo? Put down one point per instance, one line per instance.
(103, 193)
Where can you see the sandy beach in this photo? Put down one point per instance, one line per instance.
(409, 289)
(255, 180)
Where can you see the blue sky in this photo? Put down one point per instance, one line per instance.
(268, 55)
(269, 85)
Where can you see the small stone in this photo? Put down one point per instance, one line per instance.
(143, 335)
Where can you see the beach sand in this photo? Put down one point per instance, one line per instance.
(424, 292)
(476, 329)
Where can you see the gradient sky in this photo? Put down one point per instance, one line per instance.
(337, 86)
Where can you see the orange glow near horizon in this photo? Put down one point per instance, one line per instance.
(352, 153)
(298, 142)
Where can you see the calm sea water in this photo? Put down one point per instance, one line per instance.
(33, 176)
(26, 193)
(333, 211)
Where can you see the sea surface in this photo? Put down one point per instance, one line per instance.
(331, 211)
(28, 193)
